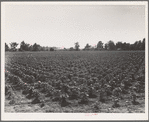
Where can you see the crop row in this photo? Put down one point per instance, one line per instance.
(78, 76)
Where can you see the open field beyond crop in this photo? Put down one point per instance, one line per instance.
(75, 81)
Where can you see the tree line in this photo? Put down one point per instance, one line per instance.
(26, 47)
(110, 45)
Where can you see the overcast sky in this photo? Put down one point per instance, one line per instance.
(63, 25)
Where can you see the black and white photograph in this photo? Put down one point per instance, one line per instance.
(74, 60)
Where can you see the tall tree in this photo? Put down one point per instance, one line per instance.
(6, 47)
(51, 49)
(106, 46)
(31, 48)
(36, 47)
(128, 46)
(131, 47)
(111, 45)
(137, 45)
(100, 45)
(143, 44)
(119, 45)
(24, 46)
(87, 47)
(77, 46)
(13, 46)
(124, 46)
(71, 49)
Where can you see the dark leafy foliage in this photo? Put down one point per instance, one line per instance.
(65, 76)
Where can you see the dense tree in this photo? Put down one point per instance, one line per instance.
(111, 45)
(51, 49)
(71, 49)
(24, 46)
(13, 46)
(128, 46)
(119, 45)
(138, 45)
(124, 46)
(31, 48)
(6, 47)
(36, 47)
(100, 45)
(87, 47)
(77, 46)
(65, 49)
(131, 47)
(143, 44)
(44, 48)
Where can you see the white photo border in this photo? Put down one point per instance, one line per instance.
(72, 116)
